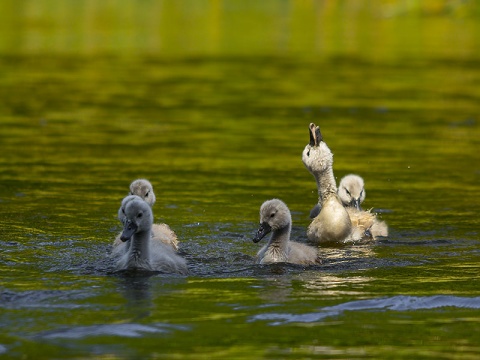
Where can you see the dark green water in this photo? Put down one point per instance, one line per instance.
(211, 101)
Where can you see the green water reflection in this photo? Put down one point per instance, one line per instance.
(211, 101)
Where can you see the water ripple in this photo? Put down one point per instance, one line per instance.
(395, 303)
(125, 330)
(41, 299)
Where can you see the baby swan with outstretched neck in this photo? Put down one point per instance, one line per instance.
(275, 217)
(144, 189)
(351, 192)
(333, 222)
(142, 252)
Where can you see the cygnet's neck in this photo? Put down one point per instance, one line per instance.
(139, 252)
(325, 184)
(279, 241)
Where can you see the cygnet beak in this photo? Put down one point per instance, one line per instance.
(356, 204)
(315, 135)
(129, 229)
(263, 230)
(311, 130)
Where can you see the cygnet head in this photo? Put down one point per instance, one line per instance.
(121, 209)
(144, 189)
(352, 191)
(316, 156)
(138, 217)
(274, 215)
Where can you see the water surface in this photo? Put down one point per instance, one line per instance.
(94, 96)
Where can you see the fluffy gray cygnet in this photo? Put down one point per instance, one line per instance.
(137, 249)
(275, 218)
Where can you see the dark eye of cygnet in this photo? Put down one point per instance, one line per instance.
(146, 195)
(308, 153)
(123, 211)
(272, 215)
(348, 192)
(140, 215)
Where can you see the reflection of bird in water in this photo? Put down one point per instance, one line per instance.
(331, 285)
(275, 217)
(275, 289)
(137, 291)
(334, 223)
(144, 189)
(144, 252)
(140, 288)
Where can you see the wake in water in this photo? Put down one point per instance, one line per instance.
(395, 303)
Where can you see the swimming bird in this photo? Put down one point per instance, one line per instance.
(144, 189)
(143, 252)
(351, 192)
(275, 217)
(333, 223)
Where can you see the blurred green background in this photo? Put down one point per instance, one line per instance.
(382, 30)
